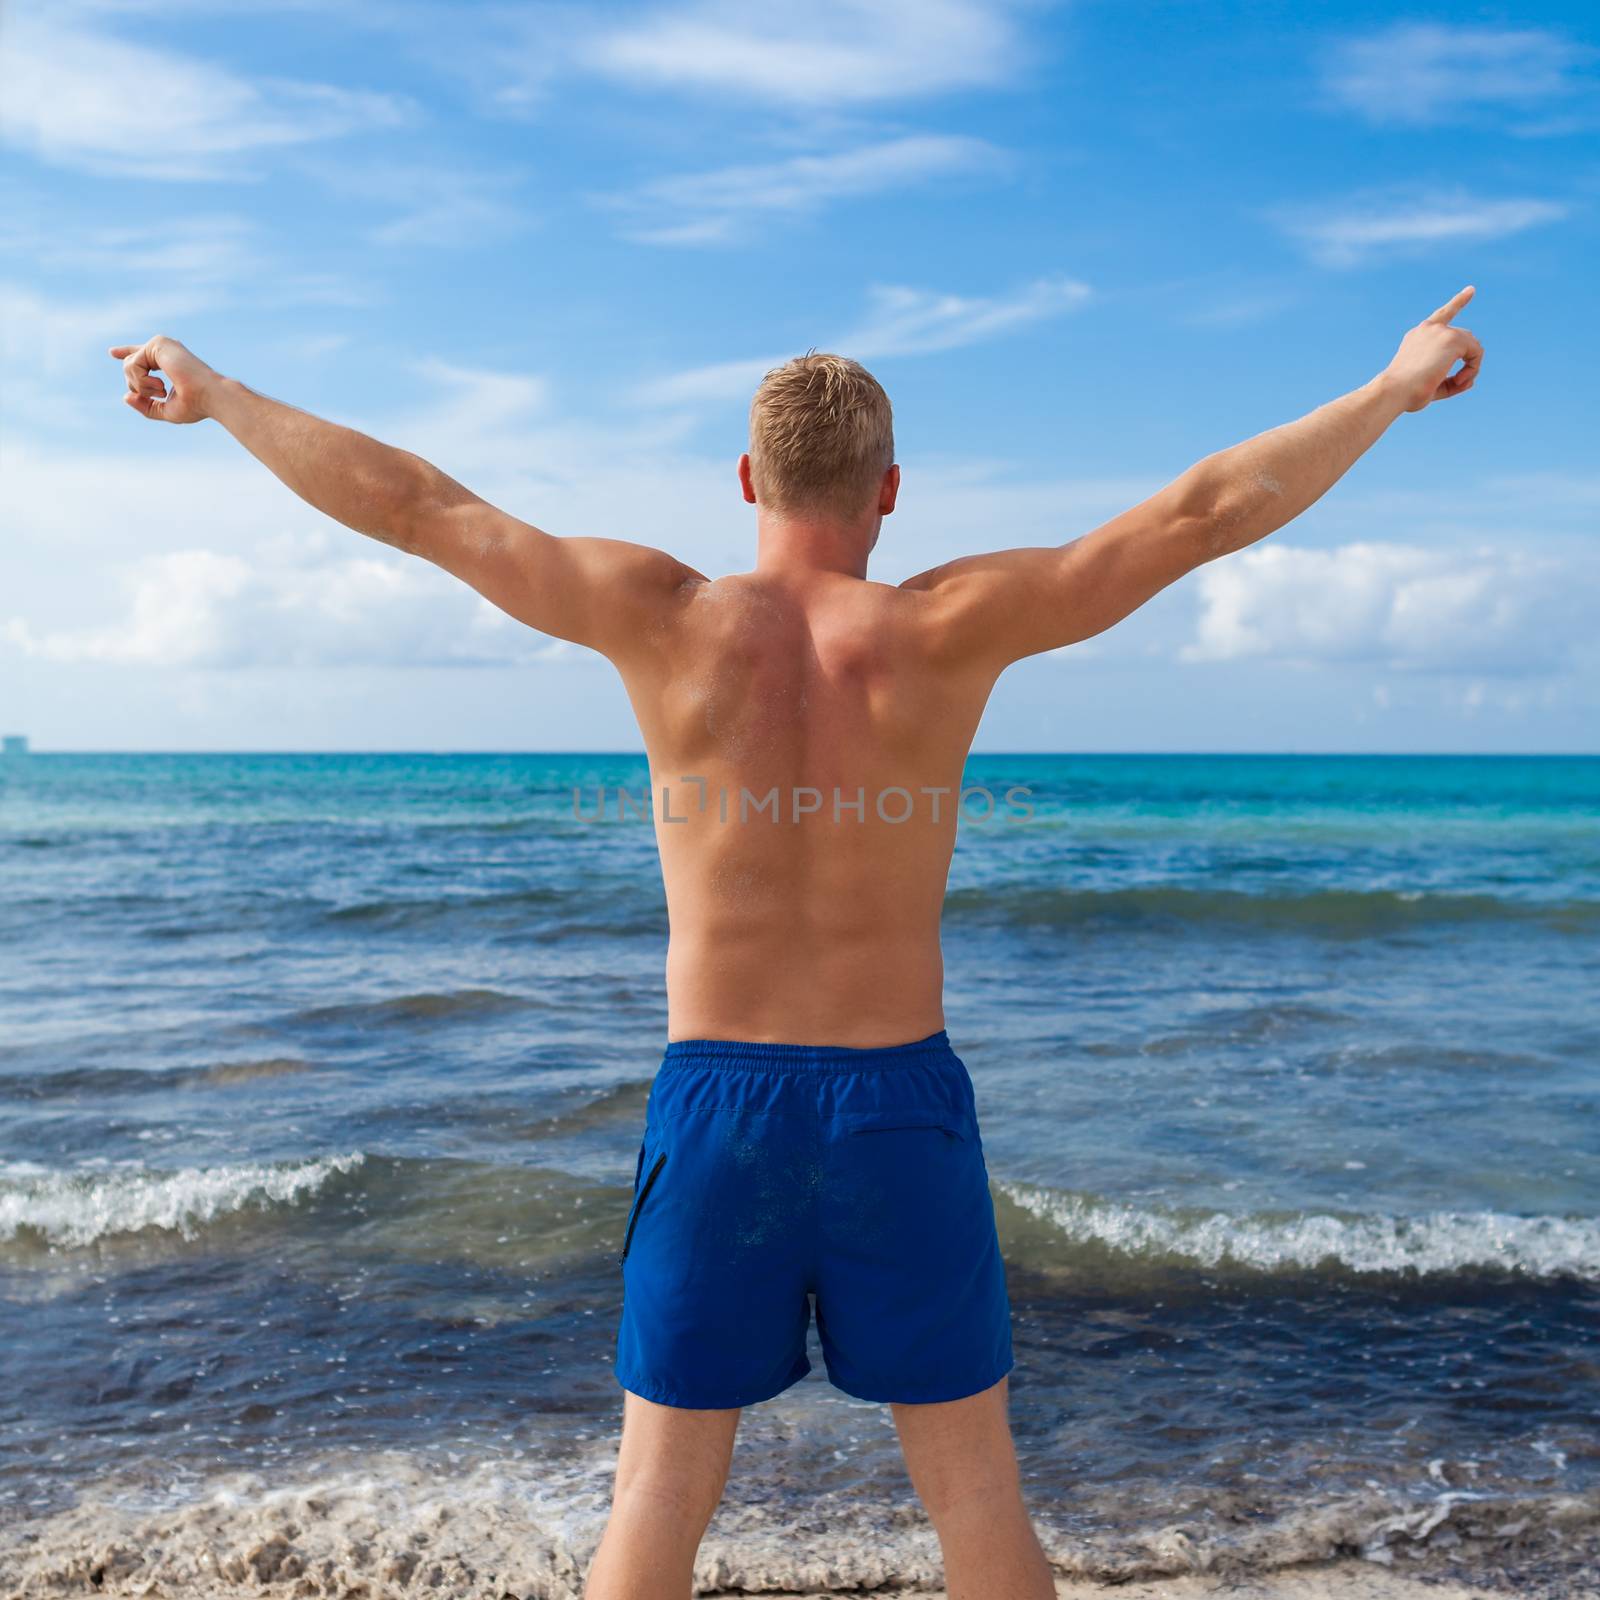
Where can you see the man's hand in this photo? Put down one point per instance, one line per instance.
(191, 380)
(1421, 367)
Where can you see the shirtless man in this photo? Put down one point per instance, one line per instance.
(810, 1133)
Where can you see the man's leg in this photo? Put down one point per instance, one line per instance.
(671, 1469)
(964, 1468)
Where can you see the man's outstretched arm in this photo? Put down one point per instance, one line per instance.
(1013, 603)
(597, 592)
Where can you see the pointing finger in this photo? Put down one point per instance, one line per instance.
(1453, 305)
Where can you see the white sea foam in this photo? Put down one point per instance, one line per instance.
(391, 1525)
(1437, 1242)
(76, 1208)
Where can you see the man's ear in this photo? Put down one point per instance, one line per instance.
(744, 478)
(889, 490)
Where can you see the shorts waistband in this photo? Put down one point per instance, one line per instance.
(819, 1057)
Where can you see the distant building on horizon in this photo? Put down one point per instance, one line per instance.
(14, 744)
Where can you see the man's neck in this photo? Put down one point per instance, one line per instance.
(798, 546)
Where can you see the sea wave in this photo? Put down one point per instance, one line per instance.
(73, 1083)
(390, 1524)
(1432, 1244)
(1334, 912)
(424, 1007)
(79, 1208)
(416, 911)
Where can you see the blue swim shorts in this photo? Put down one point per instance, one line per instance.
(772, 1174)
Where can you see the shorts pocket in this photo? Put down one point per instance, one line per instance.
(954, 1123)
(641, 1194)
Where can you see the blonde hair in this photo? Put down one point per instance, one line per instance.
(821, 435)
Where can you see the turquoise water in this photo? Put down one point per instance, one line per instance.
(321, 1080)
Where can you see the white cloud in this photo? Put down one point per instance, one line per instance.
(202, 608)
(827, 53)
(712, 207)
(1429, 73)
(900, 321)
(82, 99)
(1488, 610)
(244, 574)
(1412, 224)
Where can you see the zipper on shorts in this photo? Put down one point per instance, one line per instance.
(638, 1205)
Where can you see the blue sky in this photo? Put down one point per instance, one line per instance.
(553, 247)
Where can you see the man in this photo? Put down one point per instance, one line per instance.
(810, 1134)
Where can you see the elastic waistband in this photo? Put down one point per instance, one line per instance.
(821, 1057)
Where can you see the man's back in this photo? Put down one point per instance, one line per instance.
(806, 742)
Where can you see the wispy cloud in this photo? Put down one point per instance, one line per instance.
(199, 249)
(476, 413)
(1239, 310)
(717, 206)
(1551, 492)
(452, 214)
(189, 260)
(188, 266)
(1491, 609)
(900, 321)
(433, 203)
(917, 321)
(1428, 72)
(1411, 224)
(79, 98)
(827, 53)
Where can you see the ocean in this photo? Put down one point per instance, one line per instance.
(322, 1079)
